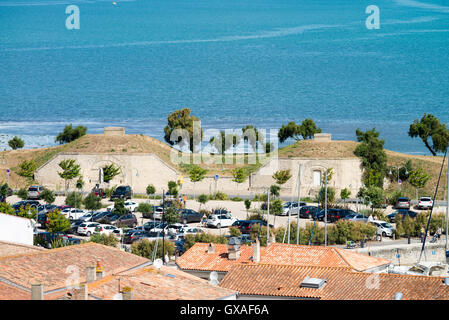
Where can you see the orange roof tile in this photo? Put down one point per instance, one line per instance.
(11, 249)
(341, 283)
(197, 257)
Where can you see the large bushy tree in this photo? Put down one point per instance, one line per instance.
(306, 130)
(16, 143)
(70, 170)
(430, 127)
(371, 152)
(27, 168)
(57, 222)
(69, 134)
(418, 178)
(92, 202)
(110, 171)
(182, 119)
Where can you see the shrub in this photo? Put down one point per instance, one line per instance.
(234, 232)
(92, 202)
(16, 143)
(109, 191)
(171, 215)
(7, 209)
(119, 208)
(57, 222)
(257, 216)
(107, 240)
(74, 199)
(236, 199)
(144, 208)
(22, 193)
(27, 168)
(69, 134)
(145, 248)
(48, 196)
(262, 236)
(260, 197)
(219, 196)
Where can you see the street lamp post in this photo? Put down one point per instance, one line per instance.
(398, 168)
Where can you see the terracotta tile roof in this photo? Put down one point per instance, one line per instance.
(9, 292)
(11, 249)
(341, 283)
(49, 267)
(165, 284)
(197, 257)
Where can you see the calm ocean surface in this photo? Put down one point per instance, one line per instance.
(233, 62)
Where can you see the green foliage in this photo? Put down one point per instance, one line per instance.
(27, 168)
(219, 196)
(321, 196)
(110, 171)
(430, 127)
(372, 194)
(70, 169)
(276, 207)
(181, 119)
(145, 248)
(203, 238)
(257, 216)
(74, 199)
(107, 240)
(203, 198)
(48, 196)
(393, 196)
(22, 193)
(292, 130)
(27, 212)
(6, 209)
(16, 143)
(92, 202)
(197, 173)
(224, 141)
(247, 204)
(234, 232)
(119, 208)
(79, 183)
(274, 190)
(372, 178)
(261, 197)
(282, 176)
(238, 175)
(109, 191)
(236, 199)
(255, 234)
(418, 178)
(345, 193)
(144, 208)
(4, 190)
(57, 222)
(173, 188)
(69, 134)
(171, 215)
(330, 174)
(150, 190)
(372, 153)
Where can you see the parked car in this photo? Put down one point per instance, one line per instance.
(160, 227)
(403, 213)
(150, 225)
(34, 192)
(189, 215)
(354, 217)
(99, 215)
(402, 203)
(2, 198)
(106, 229)
(128, 220)
(190, 230)
(246, 225)
(220, 220)
(308, 212)
(32, 203)
(87, 228)
(292, 207)
(129, 205)
(173, 229)
(108, 218)
(330, 211)
(132, 235)
(122, 192)
(384, 229)
(46, 208)
(73, 213)
(157, 213)
(99, 192)
(152, 236)
(425, 203)
(45, 238)
(42, 220)
(88, 216)
(74, 226)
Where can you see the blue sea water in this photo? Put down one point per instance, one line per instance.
(232, 62)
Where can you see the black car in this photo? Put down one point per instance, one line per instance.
(335, 213)
(74, 227)
(97, 217)
(403, 213)
(32, 203)
(45, 238)
(46, 208)
(107, 218)
(122, 192)
(42, 219)
(133, 235)
(246, 225)
(189, 215)
(308, 212)
(2, 198)
(129, 220)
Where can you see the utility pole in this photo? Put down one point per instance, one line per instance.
(299, 204)
(325, 211)
(268, 215)
(163, 231)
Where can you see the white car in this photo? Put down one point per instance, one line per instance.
(87, 228)
(190, 230)
(107, 229)
(88, 216)
(293, 207)
(158, 211)
(220, 220)
(384, 229)
(73, 213)
(130, 205)
(425, 203)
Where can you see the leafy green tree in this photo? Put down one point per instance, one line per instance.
(171, 215)
(173, 188)
(418, 179)
(372, 153)
(181, 119)
(430, 127)
(238, 175)
(269, 147)
(79, 183)
(247, 206)
(92, 202)
(196, 174)
(48, 196)
(22, 193)
(7, 209)
(107, 240)
(70, 171)
(151, 190)
(4, 190)
(372, 194)
(330, 174)
(345, 194)
(276, 207)
(16, 143)
(224, 141)
(27, 168)
(110, 171)
(69, 134)
(202, 199)
(307, 129)
(145, 248)
(282, 176)
(321, 197)
(234, 232)
(119, 208)
(27, 212)
(274, 190)
(74, 199)
(57, 222)
(144, 208)
(253, 136)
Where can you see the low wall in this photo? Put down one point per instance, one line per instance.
(408, 253)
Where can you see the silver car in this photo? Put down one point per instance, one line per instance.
(292, 207)
(384, 229)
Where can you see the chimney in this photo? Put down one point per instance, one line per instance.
(256, 251)
(127, 293)
(37, 292)
(91, 275)
(211, 248)
(99, 270)
(80, 293)
(234, 248)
